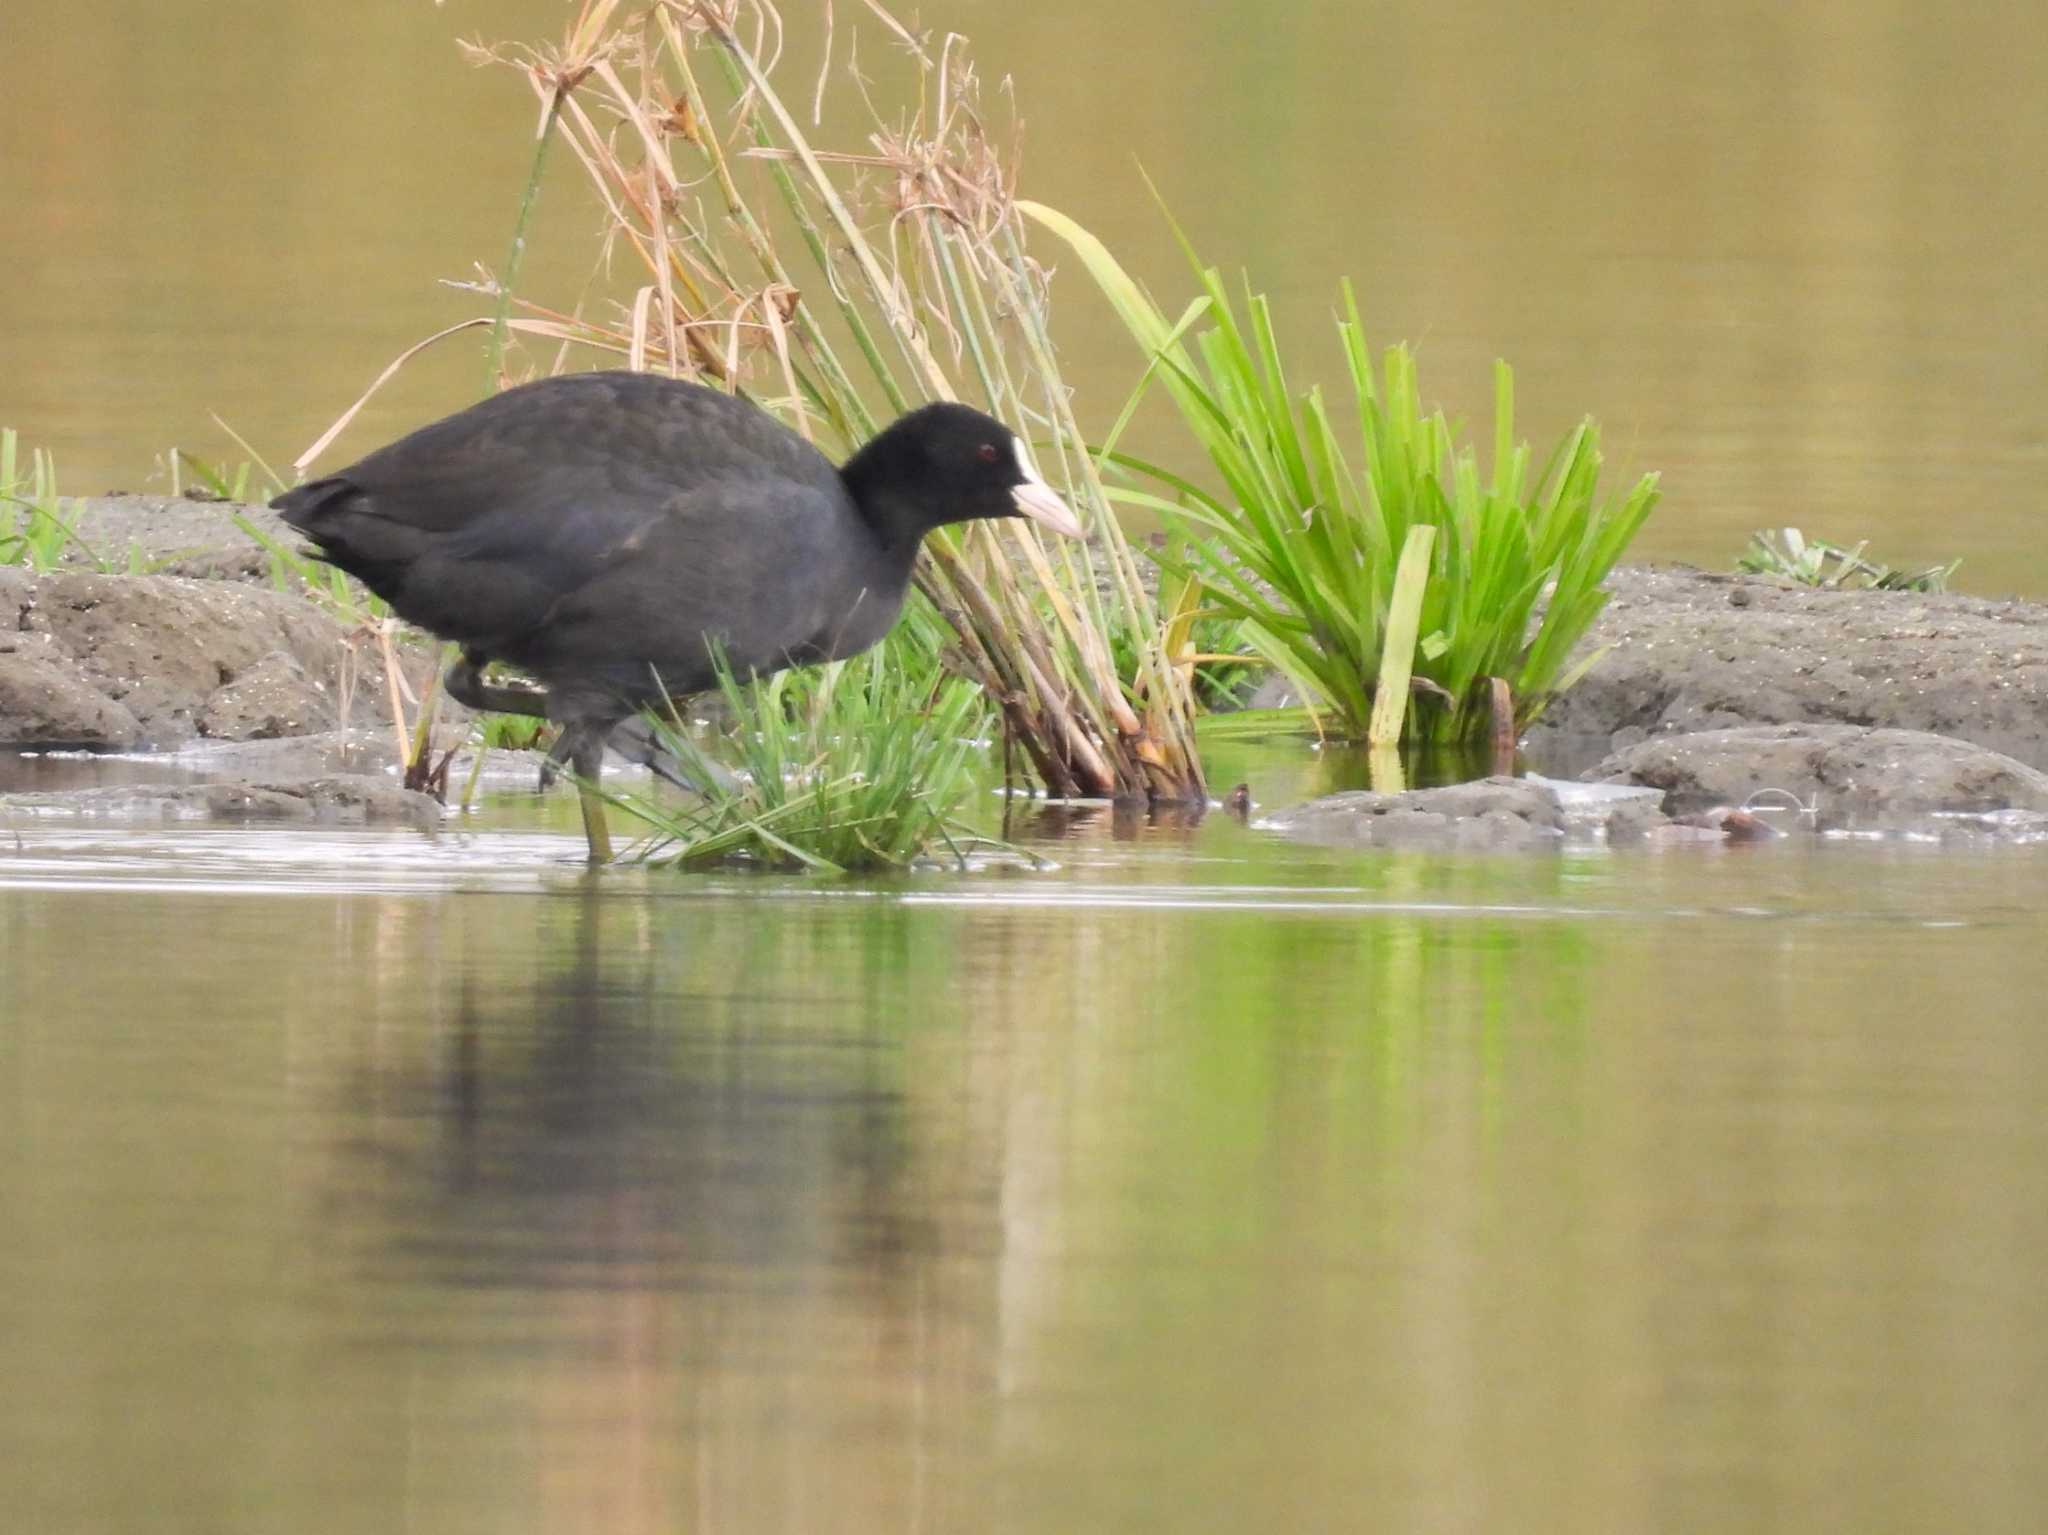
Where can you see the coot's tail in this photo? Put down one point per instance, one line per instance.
(331, 512)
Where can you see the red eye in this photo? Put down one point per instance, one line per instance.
(988, 453)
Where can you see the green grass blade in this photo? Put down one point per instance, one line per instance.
(1397, 655)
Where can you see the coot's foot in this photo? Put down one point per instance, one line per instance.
(636, 741)
(562, 753)
(465, 684)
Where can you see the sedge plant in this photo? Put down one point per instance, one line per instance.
(857, 766)
(41, 530)
(1789, 555)
(1358, 542)
(37, 528)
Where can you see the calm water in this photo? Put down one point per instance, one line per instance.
(367, 1182)
(371, 1182)
(1789, 253)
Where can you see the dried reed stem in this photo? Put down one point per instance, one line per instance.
(910, 248)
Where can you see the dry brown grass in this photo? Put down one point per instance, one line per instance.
(840, 284)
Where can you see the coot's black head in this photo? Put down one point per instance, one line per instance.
(950, 463)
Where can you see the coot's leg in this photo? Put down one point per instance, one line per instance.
(465, 684)
(586, 760)
(580, 748)
(558, 756)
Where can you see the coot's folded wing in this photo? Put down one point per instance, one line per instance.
(761, 570)
(495, 572)
(477, 525)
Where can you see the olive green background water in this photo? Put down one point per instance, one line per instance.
(1789, 253)
(361, 1183)
(366, 1182)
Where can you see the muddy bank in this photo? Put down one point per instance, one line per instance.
(170, 536)
(126, 662)
(1841, 775)
(206, 652)
(1917, 715)
(1518, 815)
(1487, 815)
(1684, 650)
(335, 778)
(1691, 651)
(1756, 784)
(343, 800)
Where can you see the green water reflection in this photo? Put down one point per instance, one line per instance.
(1206, 1184)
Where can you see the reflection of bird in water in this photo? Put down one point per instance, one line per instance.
(685, 1225)
(598, 1132)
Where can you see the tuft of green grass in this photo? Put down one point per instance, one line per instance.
(1302, 541)
(217, 482)
(36, 528)
(857, 766)
(513, 732)
(1227, 669)
(1789, 555)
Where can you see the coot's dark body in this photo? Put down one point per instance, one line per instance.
(604, 531)
(590, 529)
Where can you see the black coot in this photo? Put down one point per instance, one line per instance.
(603, 531)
